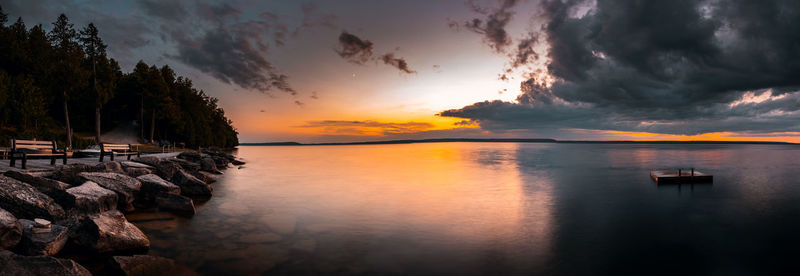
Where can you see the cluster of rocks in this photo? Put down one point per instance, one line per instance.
(83, 206)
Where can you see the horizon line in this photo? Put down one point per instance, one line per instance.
(510, 140)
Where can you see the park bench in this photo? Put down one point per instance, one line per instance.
(117, 149)
(35, 150)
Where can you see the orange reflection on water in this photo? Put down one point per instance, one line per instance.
(416, 191)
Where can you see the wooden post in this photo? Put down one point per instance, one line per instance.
(679, 172)
(692, 172)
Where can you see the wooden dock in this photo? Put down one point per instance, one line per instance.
(680, 176)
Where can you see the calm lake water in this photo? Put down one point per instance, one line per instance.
(493, 208)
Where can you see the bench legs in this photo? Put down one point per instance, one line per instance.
(13, 161)
(24, 161)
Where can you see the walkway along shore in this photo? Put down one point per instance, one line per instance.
(80, 207)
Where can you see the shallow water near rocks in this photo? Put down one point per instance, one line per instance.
(492, 208)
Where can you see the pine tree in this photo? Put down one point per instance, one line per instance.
(95, 51)
(68, 75)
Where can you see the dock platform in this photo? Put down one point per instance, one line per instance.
(680, 176)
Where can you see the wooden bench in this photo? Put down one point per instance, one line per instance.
(117, 149)
(35, 150)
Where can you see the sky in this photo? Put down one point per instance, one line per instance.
(336, 71)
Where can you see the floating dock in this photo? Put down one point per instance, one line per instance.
(680, 176)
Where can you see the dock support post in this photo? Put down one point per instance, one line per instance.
(679, 173)
(692, 172)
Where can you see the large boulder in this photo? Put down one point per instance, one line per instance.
(110, 166)
(207, 164)
(90, 198)
(125, 186)
(188, 166)
(70, 173)
(163, 168)
(13, 264)
(206, 177)
(10, 230)
(190, 185)
(142, 265)
(191, 156)
(176, 203)
(153, 185)
(41, 240)
(110, 232)
(136, 172)
(51, 187)
(24, 201)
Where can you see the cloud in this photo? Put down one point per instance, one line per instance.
(359, 51)
(398, 63)
(493, 26)
(312, 18)
(367, 127)
(672, 67)
(168, 10)
(354, 49)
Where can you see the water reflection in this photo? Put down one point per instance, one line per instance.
(494, 208)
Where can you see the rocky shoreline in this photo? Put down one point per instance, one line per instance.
(81, 208)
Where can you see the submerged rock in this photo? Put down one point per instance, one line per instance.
(125, 186)
(143, 265)
(280, 223)
(52, 188)
(90, 198)
(190, 185)
(13, 264)
(174, 202)
(153, 185)
(10, 230)
(47, 240)
(24, 201)
(110, 232)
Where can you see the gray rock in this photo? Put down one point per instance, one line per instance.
(142, 265)
(206, 177)
(153, 185)
(133, 164)
(136, 172)
(110, 232)
(190, 185)
(41, 243)
(10, 230)
(237, 162)
(208, 164)
(24, 201)
(70, 173)
(110, 166)
(188, 166)
(125, 186)
(191, 156)
(13, 264)
(148, 160)
(52, 188)
(90, 198)
(177, 203)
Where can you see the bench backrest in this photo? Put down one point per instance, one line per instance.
(32, 144)
(112, 147)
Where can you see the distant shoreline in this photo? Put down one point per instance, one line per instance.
(510, 140)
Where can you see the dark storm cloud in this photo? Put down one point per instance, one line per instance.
(359, 51)
(658, 66)
(398, 63)
(493, 26)
(232, 49)
(354, 49)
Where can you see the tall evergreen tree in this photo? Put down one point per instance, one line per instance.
(95, 51)
(68, 74)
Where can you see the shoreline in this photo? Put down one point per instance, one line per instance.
(516, 140)
(73, 217)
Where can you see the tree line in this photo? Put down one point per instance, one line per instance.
(57, 83)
